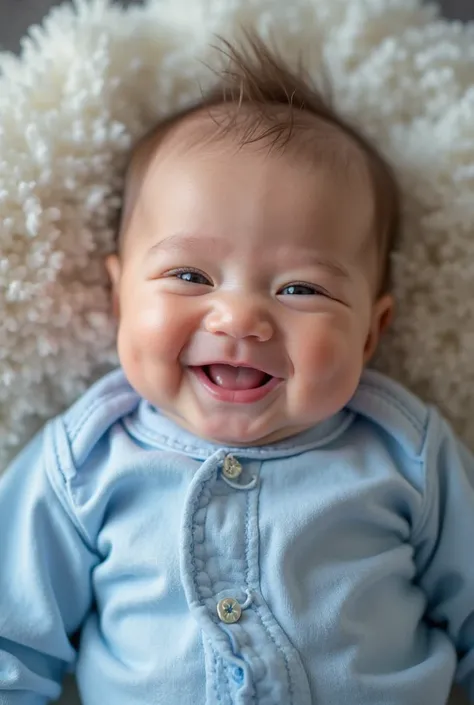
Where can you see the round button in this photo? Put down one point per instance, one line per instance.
(232, 468)
(229, 610)
(238, 674)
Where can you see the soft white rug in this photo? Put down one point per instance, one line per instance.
(95, 77)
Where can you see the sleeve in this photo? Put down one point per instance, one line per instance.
(445, 543)
(45, 577)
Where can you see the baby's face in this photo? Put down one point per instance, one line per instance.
(245, 291)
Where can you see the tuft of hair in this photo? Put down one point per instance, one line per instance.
(267, 100)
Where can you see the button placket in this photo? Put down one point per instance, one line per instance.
(216, 564)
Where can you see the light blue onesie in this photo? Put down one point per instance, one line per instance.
(332, 568)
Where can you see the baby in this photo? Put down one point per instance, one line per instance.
(242, 513)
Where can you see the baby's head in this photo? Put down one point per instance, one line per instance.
(251, 273)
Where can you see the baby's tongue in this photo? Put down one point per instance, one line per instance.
(230, 377)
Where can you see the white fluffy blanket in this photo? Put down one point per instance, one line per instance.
(95, 77)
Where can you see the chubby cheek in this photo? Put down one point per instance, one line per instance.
(327, 366)
(151, 336)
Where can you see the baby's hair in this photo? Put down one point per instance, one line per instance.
(266, 100)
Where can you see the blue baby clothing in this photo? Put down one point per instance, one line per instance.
(332, 568)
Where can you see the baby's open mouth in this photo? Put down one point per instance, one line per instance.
(236, 378)
(235, 384)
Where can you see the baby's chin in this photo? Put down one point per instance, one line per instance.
(239, 433)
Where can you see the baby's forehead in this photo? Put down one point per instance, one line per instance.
(303, 139)
(295, 135)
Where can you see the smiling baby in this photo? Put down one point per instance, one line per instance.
(243, 513)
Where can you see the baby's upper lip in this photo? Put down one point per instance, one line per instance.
(266, 368)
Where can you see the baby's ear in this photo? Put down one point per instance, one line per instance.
(114, 269)
(382, 314)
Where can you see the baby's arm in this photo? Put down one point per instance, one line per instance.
(45, 577)
(445, 544)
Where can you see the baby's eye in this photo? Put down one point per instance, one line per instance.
(302, 290)
(190, 275)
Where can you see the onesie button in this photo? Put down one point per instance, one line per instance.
(238, 674)
(229, 610)
(232, 468)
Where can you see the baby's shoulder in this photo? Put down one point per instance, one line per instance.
(392, 410)
(95, 412)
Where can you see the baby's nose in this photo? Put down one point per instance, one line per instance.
(239, 318)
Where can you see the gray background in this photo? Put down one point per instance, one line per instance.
(17, 15)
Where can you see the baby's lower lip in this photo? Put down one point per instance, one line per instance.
(236, 396)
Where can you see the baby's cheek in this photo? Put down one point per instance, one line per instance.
(158, 329)
(321, 352)
(329, 366)
(147, 351)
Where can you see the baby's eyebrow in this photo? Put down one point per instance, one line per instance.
(188, 241)
(333, 267)
(307, 256)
